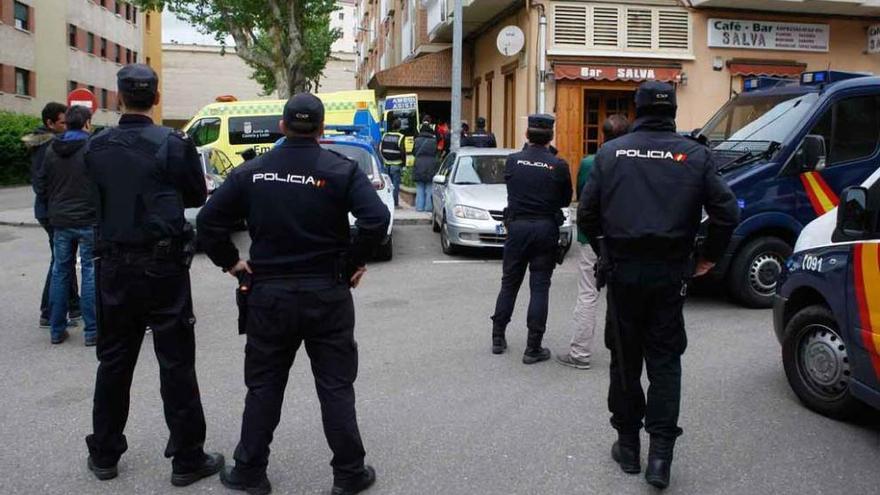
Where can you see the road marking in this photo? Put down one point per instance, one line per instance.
(463, 262)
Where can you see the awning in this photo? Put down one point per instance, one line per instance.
(768, 68)
(431, 71)
(616, 73)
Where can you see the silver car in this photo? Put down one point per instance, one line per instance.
(469, 197)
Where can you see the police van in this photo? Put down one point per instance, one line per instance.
(827, 310)
(787, 150)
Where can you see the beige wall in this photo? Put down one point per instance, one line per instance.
(339, 74)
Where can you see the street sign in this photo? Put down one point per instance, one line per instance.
(83, 97)
(511, 41)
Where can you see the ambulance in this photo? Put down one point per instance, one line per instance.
(405, 109)
(827, 308)
(234, 126)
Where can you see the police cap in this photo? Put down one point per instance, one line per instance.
(655, 94)
(541, 121)
(137, 78)
(481, 123)
(304, 112)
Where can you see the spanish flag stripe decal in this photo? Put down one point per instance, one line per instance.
(821, 196)
(867, 284)
(829, 193)
(811, 194)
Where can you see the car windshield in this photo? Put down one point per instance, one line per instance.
(361, 156)
(254, 130)
(474, 170)
(750, 120)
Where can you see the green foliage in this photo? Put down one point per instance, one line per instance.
(14, 158)
(406, 177)
(286, 42)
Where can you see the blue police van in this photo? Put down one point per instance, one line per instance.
(827, 309)
(787, 150)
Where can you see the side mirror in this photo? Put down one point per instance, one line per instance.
(440, 179)
(853, 217)
(811, 154)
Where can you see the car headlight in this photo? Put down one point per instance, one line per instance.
(470, 213)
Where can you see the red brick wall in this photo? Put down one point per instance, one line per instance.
(7, 11)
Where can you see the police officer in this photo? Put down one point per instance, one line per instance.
(296, 199)
(481, 138)
(393, 153)
(641, 209)
(146, 175)
(538, 186)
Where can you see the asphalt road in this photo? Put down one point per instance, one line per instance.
(439, 414)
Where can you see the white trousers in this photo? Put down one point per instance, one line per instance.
(584, 318)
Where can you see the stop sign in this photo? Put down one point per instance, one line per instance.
(83, 97)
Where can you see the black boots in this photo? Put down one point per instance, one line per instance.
(499, 343)
(211, 464)
(536, 355)
(625, 452)
(659, 462)
(256, 485)
(356, 485)
(103, 473)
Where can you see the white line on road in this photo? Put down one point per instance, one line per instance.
(463, 262)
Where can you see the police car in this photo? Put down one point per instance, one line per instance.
(215, 166)
(827, 308)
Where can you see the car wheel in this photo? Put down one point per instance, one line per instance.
(755, 270)
(447, 246)
(817, 364)
(435, 226)
(385, 251)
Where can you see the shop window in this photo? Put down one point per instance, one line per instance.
(23, 82)
(71, 35)
(851, 129)
(22, 16)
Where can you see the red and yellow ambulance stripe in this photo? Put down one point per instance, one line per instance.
(821, 196)
(867, 281)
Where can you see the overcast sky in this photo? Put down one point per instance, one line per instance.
(174, 29)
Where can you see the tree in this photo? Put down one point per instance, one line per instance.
(286, 42)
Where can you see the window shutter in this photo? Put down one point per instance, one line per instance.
(570, 25)
(32, 23)
(32, 83)
(605, 27)
(673, 31)
(639, 27)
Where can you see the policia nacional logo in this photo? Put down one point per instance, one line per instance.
(653, 155)
(305, 180)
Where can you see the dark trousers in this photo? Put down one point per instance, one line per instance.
(136, 291)
(73, 291)
(645, 304)
(530, 244)
(282, 314)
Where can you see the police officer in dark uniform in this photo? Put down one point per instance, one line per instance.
(393, 151)
(481, 138)
(641, 209)
(146, 175)
(538, 186)
(296, 199)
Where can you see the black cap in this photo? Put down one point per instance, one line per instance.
(304, 112)
(655, 94)
(137, 78)
(541, 121)
(481, 122)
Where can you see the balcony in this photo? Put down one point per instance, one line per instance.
(476, 14)
(831, 7)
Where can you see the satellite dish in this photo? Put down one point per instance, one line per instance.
(511, 41)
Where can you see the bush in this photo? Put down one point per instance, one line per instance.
(406, 177)
(14, 158)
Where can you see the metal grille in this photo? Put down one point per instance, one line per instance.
(493, 238)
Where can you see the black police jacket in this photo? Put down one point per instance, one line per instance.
(538, 183)
(480, 139)
(145, 175)
(646, 193)
(296, 199)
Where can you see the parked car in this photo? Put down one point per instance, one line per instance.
(213, 161)
(469, 199)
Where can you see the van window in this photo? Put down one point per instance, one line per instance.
(851, 129)
(254, 130)
(204, 131)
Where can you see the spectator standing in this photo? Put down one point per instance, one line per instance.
(425, 152)
(37, 142)
(393, 152)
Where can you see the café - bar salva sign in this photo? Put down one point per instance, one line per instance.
(764, 35)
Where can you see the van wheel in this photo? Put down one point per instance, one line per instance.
(435, 226)
(755, 270)
(817, 364)
(385, 251)
(448, 247)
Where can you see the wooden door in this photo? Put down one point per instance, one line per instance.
(509, 110)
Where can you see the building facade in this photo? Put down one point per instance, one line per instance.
(50, 47)
(597, 52)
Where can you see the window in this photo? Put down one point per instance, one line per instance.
(851, 129)
(134, 15)
(127, 56)
(103, 47)
(104, 98)
(22, 16)
(71, 35)
(254, 130)
(71, 85)
(118, 57)
(204, 131)
(639, 28)
(118, 7)
(606, 26)
(134, 57)
(149, 21)
(90, 42)
(342, 16)
(22, 82)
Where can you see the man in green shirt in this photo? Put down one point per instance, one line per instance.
(584, 319)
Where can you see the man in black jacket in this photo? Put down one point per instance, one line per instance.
(481, 138)
(641, 209)
(296, 199)
(63, 185)
(37, 142)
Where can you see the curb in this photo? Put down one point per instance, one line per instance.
(412, 221)
(28, 225)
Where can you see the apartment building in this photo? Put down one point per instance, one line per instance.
(50, 47)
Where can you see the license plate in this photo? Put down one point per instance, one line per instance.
(500, 229)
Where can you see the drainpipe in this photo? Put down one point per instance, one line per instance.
(542, 58)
